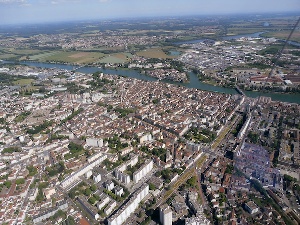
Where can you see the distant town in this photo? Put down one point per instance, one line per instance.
(85, 140)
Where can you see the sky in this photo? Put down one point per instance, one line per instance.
(41, 11)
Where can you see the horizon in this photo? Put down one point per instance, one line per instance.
(27, 12)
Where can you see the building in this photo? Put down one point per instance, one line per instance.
(104, 199)
(109, 185)
(251, 207)
(110, 207)
(119, 171)
(60, 206)
(87, 208)
(193, 146)
(118, 191)
(142, 171)
(88, 174)
(94, 142)
(197, 221)
(244, 128)
(126, 210)
(49, 192)
(96, 177)
(73, 179)
(145, 138)
(32, 194)
(165, 215)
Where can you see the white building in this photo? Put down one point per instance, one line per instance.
(110, 207)
(119, 172)
(165, 215)
(104, 199)
(74, 177)
(142, 171)
(94, 142)
(49, 192)
(197, 221)
(96, 177)
(145, 138)
(118, 191)
(251, 207)
(109, 185)
(88, 174)
(126, 210)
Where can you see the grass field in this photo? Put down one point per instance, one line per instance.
(69, 57)
(24, 51)
(284, 35)
(7, 56)
(154, 53)
(116, 58)
(26, 85)
(42, 56)
(23, 82)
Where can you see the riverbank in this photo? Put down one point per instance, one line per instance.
(193, 83)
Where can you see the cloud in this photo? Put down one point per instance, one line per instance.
(12, 1)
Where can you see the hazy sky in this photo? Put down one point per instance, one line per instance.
(38, 11)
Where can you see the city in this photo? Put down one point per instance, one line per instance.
(151, 121)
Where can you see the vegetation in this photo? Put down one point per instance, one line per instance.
(152, 186)
(229, 169)
(270, 201)
(56, 169)
(56, 137)
(39, 128)
(20, 181)
(112, 195)
(159, 152)
(74, 113)
(11, 150)
(75, 150)
(192, 182)
(253, 137)
(203, 135)
(40, 196)
(32, 170)
(21, 117)
(124, 112)
(115, 144)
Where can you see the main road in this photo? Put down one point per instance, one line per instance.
(197, 164)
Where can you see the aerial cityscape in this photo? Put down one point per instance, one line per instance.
(182, 114)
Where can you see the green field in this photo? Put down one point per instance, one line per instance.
(154, 53)
(116, 58)
(42, 56)
(284, 35)
(69, 57)
(23, 82)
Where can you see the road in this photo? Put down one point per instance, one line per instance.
(188, 173)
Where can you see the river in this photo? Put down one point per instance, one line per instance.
(193, 83)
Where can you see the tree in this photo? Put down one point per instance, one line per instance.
(152, 186)
(192, 182)
(87, 192)
(93, 187)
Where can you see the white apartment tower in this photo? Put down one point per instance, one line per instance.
(165, 215)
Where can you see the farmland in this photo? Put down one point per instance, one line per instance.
(154, 53)
(69, 57)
